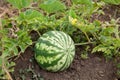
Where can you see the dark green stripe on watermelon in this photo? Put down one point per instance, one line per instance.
(43, 53)
(53, 35)
(46, 65)
(64, 65)
(48, 43)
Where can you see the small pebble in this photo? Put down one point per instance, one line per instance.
(101, 73)
(82, 63)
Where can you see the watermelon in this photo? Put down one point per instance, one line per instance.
(54, 51)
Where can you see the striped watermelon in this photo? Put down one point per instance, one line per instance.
(54, 51)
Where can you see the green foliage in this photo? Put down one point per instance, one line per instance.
(4, 67)
(52, 6)
(23, 40)
(31, 19)
(29, 15)
(85, 8)
(84, 54)
(115, 2)
(105, 35)
(10, 41)
(19, 4)
(109, 40)
(72, 13)
(87, 2)
(11, 44)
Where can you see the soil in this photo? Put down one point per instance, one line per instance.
(93, 68)
(110, 12)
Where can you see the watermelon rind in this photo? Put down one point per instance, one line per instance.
(54, 51)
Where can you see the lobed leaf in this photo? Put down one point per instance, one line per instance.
(115, 2)
(52, 6)
(87, 2)
(19, 4)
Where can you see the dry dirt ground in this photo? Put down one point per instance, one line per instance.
(93, 68)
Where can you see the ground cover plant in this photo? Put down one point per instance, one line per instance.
(24, 21)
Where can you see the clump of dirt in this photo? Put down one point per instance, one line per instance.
(93, 68)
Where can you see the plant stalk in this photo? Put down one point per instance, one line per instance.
(6, 70)
(87, 36)
(78, 44)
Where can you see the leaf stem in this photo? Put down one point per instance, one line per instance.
(117, 32)
(6, 70)
(78, 44)
(3, 64)
(87, 36)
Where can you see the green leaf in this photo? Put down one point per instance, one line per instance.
(52, 6)
(72, 13)
(115, 2)
(3, 32)
(19, 4)
(11, 65)
(10, 47)
(30, 16)
(23, 47)
(24, 40)
(3, 22)
(35, 0)
(116, 43)
(107, 31)
(82, 1)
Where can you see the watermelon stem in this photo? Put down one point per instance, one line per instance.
(78, 44)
